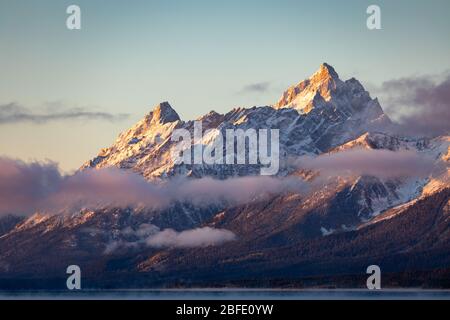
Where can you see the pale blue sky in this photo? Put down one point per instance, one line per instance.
(197, 54)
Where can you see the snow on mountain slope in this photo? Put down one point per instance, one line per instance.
(325, 90)
(145, 141)
(313, 92)
(377, 194)
(380, 140)
(441, 180)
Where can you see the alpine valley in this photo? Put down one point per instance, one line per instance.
(323, 237)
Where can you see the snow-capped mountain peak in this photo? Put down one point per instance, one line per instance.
(311, 92)
(326, 75)
(315, 116)
(146, 137)
(164, 113)
(324, 89)
(160, 116)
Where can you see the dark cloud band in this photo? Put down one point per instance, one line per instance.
(259, 87)
(421, 105)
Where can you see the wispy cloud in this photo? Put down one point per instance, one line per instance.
(200, 237)
(420, 105)
(23, 185)
(148, 235)
(29, 187)
(258, 87)
(26, 188)
(379, 163)
(15, 113)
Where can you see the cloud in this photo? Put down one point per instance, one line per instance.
(14, 113)
(200, 237)
(258, 87)
(379, 163)
(234, 190)
(111, 187)
(169, 238)
(23, 186)
(420, 105)
(27, 188)
(40, 187)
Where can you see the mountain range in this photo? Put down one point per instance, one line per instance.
(322, 235)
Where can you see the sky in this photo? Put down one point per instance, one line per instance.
(199, 55)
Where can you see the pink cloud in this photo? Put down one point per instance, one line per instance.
(27, 188)
(379, 163)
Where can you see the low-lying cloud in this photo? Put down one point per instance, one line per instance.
(24, 185)
(14, 113)
(200, 237)
(27, 188)
(420, 105)
(148, 235)
(379, 163)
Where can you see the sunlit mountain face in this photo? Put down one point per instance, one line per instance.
(352, 190)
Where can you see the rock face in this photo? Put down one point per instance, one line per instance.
(291, 236)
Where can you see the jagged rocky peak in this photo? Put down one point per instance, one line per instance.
(159, 121)
(163, 113)
(320, 89)
(326, 74)
(133, 143)
(317, 87)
